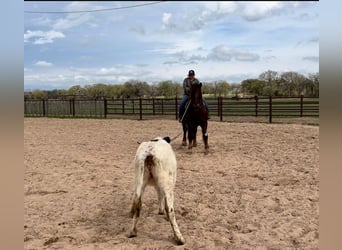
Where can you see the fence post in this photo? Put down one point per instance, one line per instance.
(220, 108)
(140, 108)
(44, 108)
(73, 107)
(70, 107)
(105, 107)
(270, 109)
(153, 107)
(123, 106)
(176, 106)
(25, 112)
(133, 106)
(301, 106)
(256, 105)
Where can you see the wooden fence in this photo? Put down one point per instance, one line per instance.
(220, 107)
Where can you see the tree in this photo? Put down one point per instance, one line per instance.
(314, 84)
(206, 88)
(236, 88)
(293, 83)
(75, 90)
(98, 90)
(114, 91)
(142, 89)
(269, 77)
(128, 90)
(222, 88)
(169, 89)
(253, 87)
(39, 94)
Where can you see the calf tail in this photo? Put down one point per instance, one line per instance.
(149, 163)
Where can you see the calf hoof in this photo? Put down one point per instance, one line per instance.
(132, 234)
(180, 240)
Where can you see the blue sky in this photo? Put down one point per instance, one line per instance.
(222, 40)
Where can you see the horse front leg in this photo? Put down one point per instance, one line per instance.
(184, 134)
(191, 136)
(205, 137)
(194, 144)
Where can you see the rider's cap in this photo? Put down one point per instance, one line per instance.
(191, 73)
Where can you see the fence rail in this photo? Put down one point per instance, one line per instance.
(146, 107)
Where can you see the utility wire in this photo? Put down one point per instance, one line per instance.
(84, 11)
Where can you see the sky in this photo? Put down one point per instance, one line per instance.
(83, 43)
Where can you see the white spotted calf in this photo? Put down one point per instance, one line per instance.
(155, 164)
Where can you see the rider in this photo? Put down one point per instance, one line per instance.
(188, 81)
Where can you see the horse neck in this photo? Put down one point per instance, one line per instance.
(196, 97)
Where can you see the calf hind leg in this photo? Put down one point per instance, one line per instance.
(135, 214)
(172, 218)
(161, 200)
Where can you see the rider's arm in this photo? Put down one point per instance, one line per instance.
(186, 86)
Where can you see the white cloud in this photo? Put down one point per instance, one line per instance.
(42, 37)
(226, 7)
(220, 53)
(72, 21)
(311, 58)
(223, 53)
(81, 78)
(258, 10)
(166, 22)
(43, 64)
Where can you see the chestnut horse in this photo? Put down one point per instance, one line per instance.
(196, 115)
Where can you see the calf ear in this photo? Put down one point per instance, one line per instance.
(167, 139)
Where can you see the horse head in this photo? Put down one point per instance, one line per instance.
(196, 95)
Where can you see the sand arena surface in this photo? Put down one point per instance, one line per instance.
(257, 188)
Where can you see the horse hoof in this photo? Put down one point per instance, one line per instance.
(206, 151)
(184, 143)
(194, 145)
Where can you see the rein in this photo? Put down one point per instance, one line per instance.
(170, 141)
(186, 109)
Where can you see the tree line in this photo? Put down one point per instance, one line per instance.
(268, 83)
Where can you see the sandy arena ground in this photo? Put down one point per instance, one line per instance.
(257, 188)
